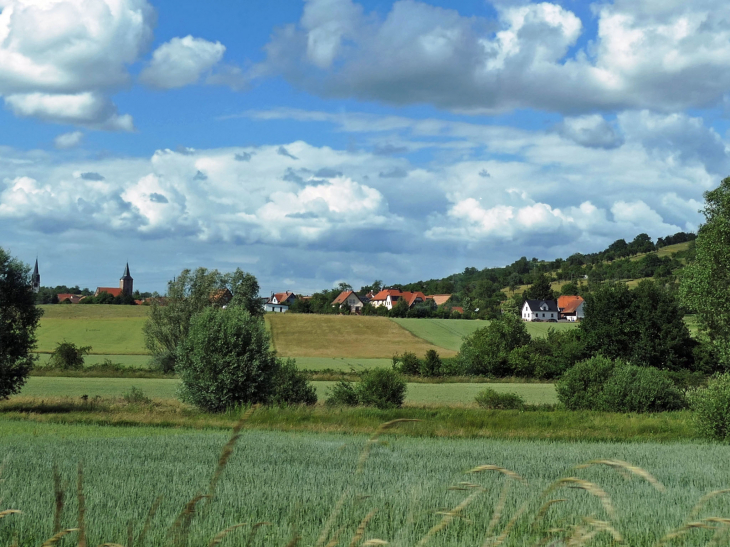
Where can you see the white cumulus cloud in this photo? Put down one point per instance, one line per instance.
(68, 140)
(181, 62)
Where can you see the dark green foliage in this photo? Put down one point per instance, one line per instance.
(432, 364)
(540, 289)
(599, 383)
(639, 389)
(570, 289)
(486, 351)
(291, 387)
(491, 399)
(189, 294)
(581, 386)
(711, 406)
(68, 356)
(408, 363)
(381, 388)
(163, 362)
(342, 394)
(19, 319)
(225, 360)
(643, 326)
(705, 282)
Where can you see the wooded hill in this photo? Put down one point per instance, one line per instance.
(622, 260)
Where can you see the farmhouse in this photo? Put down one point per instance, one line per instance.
(390, 297)
(351, 298)
(72, 298)
(571, 308)
(280, 302)
(540, 310)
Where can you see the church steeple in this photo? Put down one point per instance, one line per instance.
(126, 282)
(36, 278)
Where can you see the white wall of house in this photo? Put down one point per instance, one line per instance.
(539, 315)
(275, 308)
(354, 302)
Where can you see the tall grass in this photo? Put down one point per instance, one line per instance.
(300, 490)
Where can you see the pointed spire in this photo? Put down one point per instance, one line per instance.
(126, 274)
(35, 269)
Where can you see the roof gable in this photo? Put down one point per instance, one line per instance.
(542, 305)
(569, 304)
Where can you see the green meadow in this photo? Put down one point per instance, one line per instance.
(311, 485)
(455, 394)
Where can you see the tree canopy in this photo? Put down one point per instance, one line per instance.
(19, 319)
(705, 283)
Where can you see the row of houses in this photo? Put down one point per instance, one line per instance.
(565, 308)
(280, 302)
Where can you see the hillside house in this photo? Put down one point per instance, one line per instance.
(351, 298)
(439, 299)
(72, 298)
(571, 308)
(390, 297)
(540, 310)
(221, 297)
(280, 302)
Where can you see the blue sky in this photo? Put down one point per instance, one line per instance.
(319, 141)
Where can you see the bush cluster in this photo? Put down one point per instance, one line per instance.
(68, 356)
(599, 383)
(226, 361)
(711, 407)
(431, 366)
(381, 388)
(491, 399)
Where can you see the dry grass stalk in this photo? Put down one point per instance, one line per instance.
(449, 517)
(625, 466)
(361, 529)
(546, 507)
(703, 501)
(7, 512)
(336, 538)
(148, 521)
(682, 531)
(228, 451)
(130, 533)
(181, 527)
(50, 542)
(82, 506)
(591, 488)
(59, 497)
(494, 541)
(374, 543)
(222, 534)
(252, 533)
(294, 541)
(507, 472)
(497, 514)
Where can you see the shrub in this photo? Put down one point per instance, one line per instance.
(490, 398)
(711, 406)
(292, 387)
(381, 388)
(163, 362)
(639, 389)
(407, 363)
(342, 394)
(432, 364)
(136, 396)
(581, 386)
(225, 360)
(68, 356)
(486, 351)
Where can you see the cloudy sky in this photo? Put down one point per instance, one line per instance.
(317, 141)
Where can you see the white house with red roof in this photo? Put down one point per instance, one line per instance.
(571, 308)
(391, 297)
(280, 302)
(351, 298)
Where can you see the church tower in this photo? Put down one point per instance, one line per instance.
(126, 282)
(36, 279)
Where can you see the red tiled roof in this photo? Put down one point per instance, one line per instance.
(383, 295)
(114, 291)
(395, 294)
(439, 299)
(282, 296)
(569, 304)
(73, 298)
(458, 308)
(343, 296)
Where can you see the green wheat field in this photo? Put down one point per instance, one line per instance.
(294, 482)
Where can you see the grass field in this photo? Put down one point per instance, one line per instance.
(448, 333)
(341, 364)
(299, 335)
(109, 330)
(418, 394)
(293, 482)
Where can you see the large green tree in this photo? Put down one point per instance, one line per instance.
(18, 321)
(540, 289)
(705, 283)
(486, 351)
(643, 326)
(187, 295)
